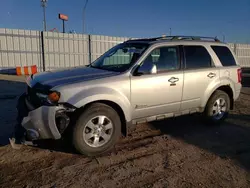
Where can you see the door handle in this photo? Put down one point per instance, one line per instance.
(211, 75)
(173, 80)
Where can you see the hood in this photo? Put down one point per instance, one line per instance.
(68, 76)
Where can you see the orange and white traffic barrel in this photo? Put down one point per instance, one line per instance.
(26, 70)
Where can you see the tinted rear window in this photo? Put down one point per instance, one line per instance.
(197, 57)
(225, 56)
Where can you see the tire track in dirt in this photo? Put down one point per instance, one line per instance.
(125, 155)
(135, 151)
(146, 158)
(136, 169)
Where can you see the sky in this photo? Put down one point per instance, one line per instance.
(135, 18)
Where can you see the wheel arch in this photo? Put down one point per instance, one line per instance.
(227, 89)
(113, 105)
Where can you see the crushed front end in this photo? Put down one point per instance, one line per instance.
(39, 117)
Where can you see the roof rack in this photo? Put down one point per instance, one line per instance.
(145, 39)
(199, 38)
(171, 38)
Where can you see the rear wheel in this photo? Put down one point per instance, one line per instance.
(97, 130)
(217, 107)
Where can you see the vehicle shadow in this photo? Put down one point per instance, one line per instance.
(62, 145)
(246, 81)
(11, 88)
(246, 77)
(228, 140)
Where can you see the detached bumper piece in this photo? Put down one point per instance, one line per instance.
(45, 122)
(41, 123)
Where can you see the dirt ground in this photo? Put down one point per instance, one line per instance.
(180, 152)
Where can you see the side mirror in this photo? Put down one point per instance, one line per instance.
(147, 68)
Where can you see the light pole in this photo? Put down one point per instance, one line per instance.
(83, 16)
(224, 38)
(44, 4)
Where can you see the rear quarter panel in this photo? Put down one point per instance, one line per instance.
(228, 76)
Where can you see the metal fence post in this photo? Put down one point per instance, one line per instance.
(89, 46)
(43, 55)
(235, 49)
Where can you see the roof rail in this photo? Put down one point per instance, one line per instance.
(171, 38)
(200, 38)
(145, 39)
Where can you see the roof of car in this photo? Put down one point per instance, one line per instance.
(177, 39)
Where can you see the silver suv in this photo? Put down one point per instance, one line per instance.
(137, 81)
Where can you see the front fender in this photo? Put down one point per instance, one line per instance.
(214, 86)
(102, 93)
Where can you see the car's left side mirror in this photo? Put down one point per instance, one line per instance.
(147, 68)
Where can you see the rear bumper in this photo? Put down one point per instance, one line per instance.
(39, 123)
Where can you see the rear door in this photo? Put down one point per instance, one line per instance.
(199, 73)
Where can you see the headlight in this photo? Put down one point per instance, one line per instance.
(52, 97)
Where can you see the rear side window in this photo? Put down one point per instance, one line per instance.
(225, 56)
(197, 57)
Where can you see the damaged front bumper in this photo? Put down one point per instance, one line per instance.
(45, 122)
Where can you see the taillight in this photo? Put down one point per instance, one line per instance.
(239, 73)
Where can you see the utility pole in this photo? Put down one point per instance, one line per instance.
(170, 31)
(83, 16)
(44, 4)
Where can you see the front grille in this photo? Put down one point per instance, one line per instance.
(33, 98)
(32, 94)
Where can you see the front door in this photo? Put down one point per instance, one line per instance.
(153, 94)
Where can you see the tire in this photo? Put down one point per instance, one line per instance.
(211, 108)
(89, 133)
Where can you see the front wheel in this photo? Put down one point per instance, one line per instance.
(217, 107)
(97, 130)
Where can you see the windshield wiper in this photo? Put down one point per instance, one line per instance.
(96, 67)
(112, 68)
(90, 65)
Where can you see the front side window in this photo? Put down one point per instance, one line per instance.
(225, 55)
(165, 58)
(120, 58)
(197, 57)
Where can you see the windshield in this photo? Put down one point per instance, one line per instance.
(120, 58)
